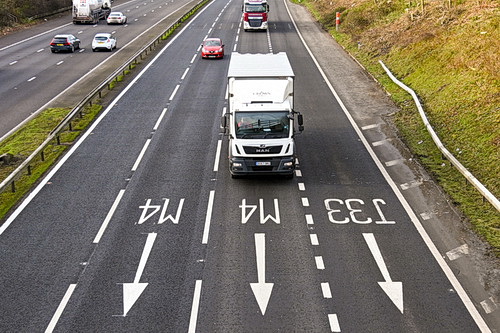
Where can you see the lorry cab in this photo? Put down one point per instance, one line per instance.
(260, 121)
(255, 14)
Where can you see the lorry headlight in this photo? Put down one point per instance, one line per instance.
(288, 164)
(237, 164)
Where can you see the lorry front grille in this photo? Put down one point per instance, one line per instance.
(255, 23)
(259, 150)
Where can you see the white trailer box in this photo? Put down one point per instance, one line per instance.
(260, 118)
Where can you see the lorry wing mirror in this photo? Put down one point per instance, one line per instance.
(300, 121)
(223, 121)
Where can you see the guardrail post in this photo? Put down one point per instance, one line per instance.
(58, 140)
(13, 186)
(29, 170)
(42, 156)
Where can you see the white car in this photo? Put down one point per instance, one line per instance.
(116, 17)
(104, 41)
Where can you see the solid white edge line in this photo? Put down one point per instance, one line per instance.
(141, 155)
(60, 308)
(43, 107)
(111, 211)
(196, 305)
(425, 237)
(208, 217)
(217, 156)
(66, 156)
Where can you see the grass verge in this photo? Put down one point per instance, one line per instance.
(21, 144)
(448, 54)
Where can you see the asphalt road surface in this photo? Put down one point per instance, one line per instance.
(33, 78)
(140, 227)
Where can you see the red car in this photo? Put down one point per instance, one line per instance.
(212, 48)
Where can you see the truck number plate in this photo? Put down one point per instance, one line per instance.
(262, 163)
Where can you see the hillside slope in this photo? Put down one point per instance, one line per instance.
(448, 52)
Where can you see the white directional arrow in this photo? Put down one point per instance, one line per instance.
(132, 291)
(261, 289)
(393, 289)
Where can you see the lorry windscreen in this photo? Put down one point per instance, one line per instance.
(258, 125)
(254, 8)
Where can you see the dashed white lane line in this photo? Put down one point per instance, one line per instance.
(334, 323)
(309, 219)
(325, 288)
(60, 308)
(108, 217)
(319, 262)
(305, 202)
(298, 173)
(31, 79)
(139, 158)
(185, 73)
(174, 92)
(302, 187)
(217, 155)
(208, 217)
(314, 239)
(160, 119)
(196, 305)
(13, 63)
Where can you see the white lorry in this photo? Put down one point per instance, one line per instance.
(90, 11)
(260, 117)
(255, 13)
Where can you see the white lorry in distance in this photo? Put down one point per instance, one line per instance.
(255, 13)
(260, 119)
(90, 11)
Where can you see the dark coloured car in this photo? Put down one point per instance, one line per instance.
(65, 42)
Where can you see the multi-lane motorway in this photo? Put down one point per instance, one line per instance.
(140, 228)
